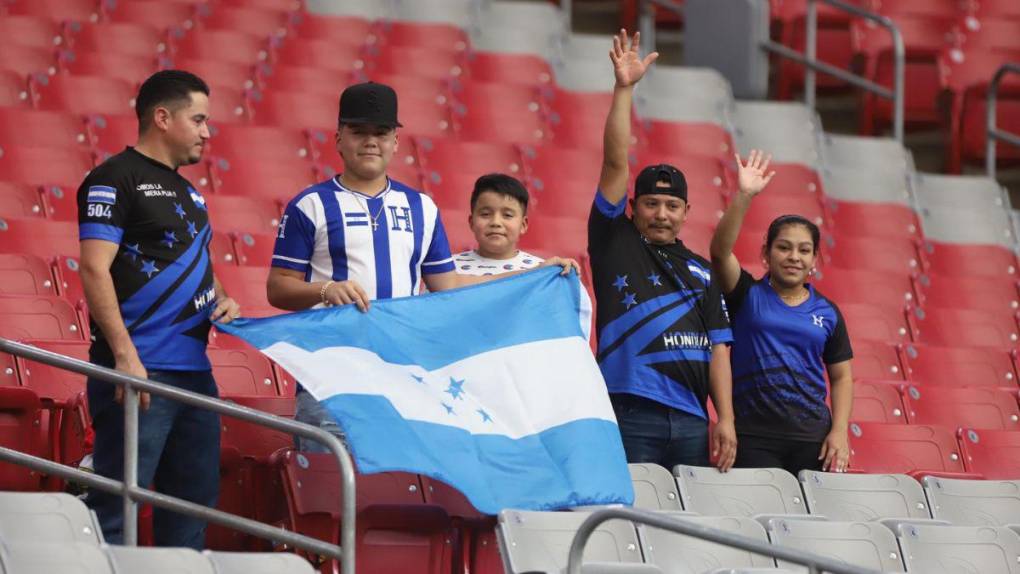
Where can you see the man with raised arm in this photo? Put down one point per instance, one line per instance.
(661, 320)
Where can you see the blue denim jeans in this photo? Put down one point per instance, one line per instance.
(310, 411)
(178, 453)
(660, 434)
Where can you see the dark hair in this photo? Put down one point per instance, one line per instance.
(782, 221)
(166, 87)
(502, 184)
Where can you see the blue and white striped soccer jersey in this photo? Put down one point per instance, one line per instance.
(385, 243)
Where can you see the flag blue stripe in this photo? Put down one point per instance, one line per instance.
(405, 331)
(491, 469)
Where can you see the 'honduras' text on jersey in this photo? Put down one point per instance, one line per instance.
(384, 243)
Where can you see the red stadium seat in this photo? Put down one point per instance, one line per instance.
(335, 53)
(833, 42)
(445, 156)
(131, 69)
(985, 33)
(229, 105)
(111, 134)
(707, 181)
(298, 110)
(38, 317)
(20, 424)
(977, 293)
(877, 402)
(574, 118)
(68, 274)
(220, 74)
(1006, 9)
(694, 139)
(993, 454)
(221, 249)
(45, 165)
(52, 383)
(768, 207)
(418, 86)
(965, 328)
(239, 213)
(455, 221)
(959, 366)
(396, 530)
(424, 62)
(123, 38)
(81, 11)
(39, 237)
(26, 61)
(566, 236)
(953, 259)
(424, 116)
(85, 95)
(32, 32)
(500, 113)
(239, 142)
(255, 249)
(451, 191)
(910, 449)
(522, 69)
(25, 275)
(872, 322)
(41, 129)
(225, 46)
(308, 80)
(161, 15)
(874, 359)
(247, 285)
(240, 372)
(59, 204)
(273, 5)
(13, 90)
(436, 37)
(561, 171)
(971, 408)
(250, 20)
(20, 200)
(199, 175)
(895, 255)
(278, 180)
(860, 219)
(871, 287)
(324, 27)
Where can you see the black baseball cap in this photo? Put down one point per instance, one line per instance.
(647, 181)
(369, 103)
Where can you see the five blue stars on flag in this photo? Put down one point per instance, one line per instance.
(456, 390)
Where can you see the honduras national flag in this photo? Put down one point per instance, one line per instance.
(491, 389)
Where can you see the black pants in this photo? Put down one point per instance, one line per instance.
(765, 452)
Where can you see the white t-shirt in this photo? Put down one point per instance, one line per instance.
(472, 263)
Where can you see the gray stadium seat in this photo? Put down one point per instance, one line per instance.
(863, 497)
(54, 517)
(62, 558)
(864, 544)
(739, 492)
(540, 541)
(954, 549)
(974, 502)
(585, 75)
(654, 487)
(369, 9)
(862, 152)
(684, 108)
(130, 559)
(753, 571)
(667, 81)
(788, 131)
(678, 554)
(534, 15)
(258, 563)
(879, 185)
(586, 47)
(462, 13)
(963, 191)
(970, 226)
(511, 40)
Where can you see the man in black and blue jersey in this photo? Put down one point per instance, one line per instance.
(663, 333)
(152, 295)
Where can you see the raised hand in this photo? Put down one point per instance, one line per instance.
(753, 176)
(626, 57)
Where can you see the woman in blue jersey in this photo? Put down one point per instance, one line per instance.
(787, 336)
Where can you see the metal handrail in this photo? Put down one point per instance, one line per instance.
(812, 64)
(132, 494)
(814, 562)
(991, 133)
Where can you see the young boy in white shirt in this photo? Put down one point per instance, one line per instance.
(499, 216)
